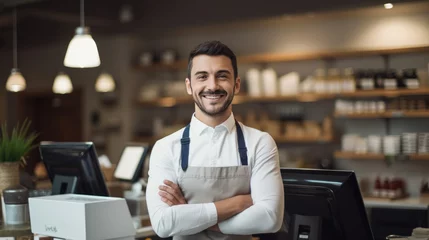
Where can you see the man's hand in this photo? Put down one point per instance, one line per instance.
(171, 194)
(231, 206)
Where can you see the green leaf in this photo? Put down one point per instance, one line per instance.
(17, 145)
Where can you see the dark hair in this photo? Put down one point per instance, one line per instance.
(213, 48)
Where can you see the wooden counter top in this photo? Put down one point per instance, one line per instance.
(406, 203)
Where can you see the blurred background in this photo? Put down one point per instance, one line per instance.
(338, 84)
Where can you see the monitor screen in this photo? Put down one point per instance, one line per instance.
(324, 205)
(130, 165)
(73, 167)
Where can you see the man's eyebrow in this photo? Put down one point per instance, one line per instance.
(223, 71)
(200, 72)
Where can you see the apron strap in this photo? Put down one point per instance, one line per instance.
(242, 150)
(185, 141)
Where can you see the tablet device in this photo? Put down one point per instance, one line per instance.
(130, 165)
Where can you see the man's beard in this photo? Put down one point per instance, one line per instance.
(219, 111)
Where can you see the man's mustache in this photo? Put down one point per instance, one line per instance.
(217, 92)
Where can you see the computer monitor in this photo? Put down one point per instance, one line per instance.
(73, 167)
(324, 205)
(130, 165)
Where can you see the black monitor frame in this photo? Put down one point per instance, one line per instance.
(332, 193)
(73, 167)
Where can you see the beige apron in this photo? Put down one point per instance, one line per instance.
(211, 184)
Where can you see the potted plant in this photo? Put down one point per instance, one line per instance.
(13, 149)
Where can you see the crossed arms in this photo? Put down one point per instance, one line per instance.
(259, 212)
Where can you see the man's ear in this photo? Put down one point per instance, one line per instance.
(188, 86)
(237, 85)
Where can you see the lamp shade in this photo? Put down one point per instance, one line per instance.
(105, 83)
(82, 51)
(62, 84)
(15, 82)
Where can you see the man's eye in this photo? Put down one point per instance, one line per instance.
(202, 77)
(222, 76)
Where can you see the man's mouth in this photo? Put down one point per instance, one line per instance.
(213, 96)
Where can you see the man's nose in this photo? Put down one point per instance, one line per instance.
(212, 83)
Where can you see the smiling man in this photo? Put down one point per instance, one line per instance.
(216, 178)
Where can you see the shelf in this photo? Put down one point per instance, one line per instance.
(389, 114)
(360, 156)
(323, 139)
(385, 93)
(166, 101)
(239, 99)
(374, 156)
(304, 97)
(287, 57)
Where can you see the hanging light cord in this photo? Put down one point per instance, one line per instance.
(15, 54)
(82, 13)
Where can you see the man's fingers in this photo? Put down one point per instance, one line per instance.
(171, 184)
(167, 201)
(174, 186)
(168, 197)
(172, 191)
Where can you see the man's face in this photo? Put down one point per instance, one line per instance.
(212, 84)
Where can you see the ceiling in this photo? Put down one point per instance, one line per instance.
(47, 21)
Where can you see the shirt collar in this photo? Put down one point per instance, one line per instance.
(199, 127)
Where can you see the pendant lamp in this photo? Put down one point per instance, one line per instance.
(105, 83)
(82, 50)
(15, 82)
(62, 84)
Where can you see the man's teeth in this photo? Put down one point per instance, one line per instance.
(213, 96)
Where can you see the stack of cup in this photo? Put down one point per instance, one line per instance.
(423, 143)
(349, 142)
(391, 144)
(409, 143)
(374, 144)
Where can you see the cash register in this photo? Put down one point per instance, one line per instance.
(79, 207)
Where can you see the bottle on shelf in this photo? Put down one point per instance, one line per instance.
(366, 80)
(349, 82)
(320, 81)
(377, 187)
(391, 80)
(385, 188)
(379, 76)
(410, 79)
(334, 81)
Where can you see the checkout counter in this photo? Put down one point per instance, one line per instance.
(397, 217)
(386, 217)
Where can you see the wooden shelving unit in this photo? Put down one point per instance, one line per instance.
(165, 101)
(359, 156)
(385, 93)
(305, 97)
(373, 156)
(287, 57)
(388, 114)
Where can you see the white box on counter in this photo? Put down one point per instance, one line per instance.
(81, 217)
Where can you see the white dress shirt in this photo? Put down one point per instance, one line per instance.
(217, 147)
